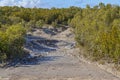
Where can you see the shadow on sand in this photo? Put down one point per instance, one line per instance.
(31, 61)
(36, 46)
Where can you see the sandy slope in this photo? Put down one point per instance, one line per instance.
(56, 62)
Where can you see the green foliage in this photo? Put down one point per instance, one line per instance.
(11, 42)
(14, 15)
(15, 20)
(54, 24)
(12, 35)
(39, 24)
(30, 24)
(98, 30)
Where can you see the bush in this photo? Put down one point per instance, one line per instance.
(98, 30)
(54, 24)
(11, 42)
(39, 24)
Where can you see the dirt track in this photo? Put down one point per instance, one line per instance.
(52, 59)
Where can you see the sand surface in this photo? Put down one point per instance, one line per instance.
(52, 59)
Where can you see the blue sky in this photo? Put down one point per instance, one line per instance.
(55, 3)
